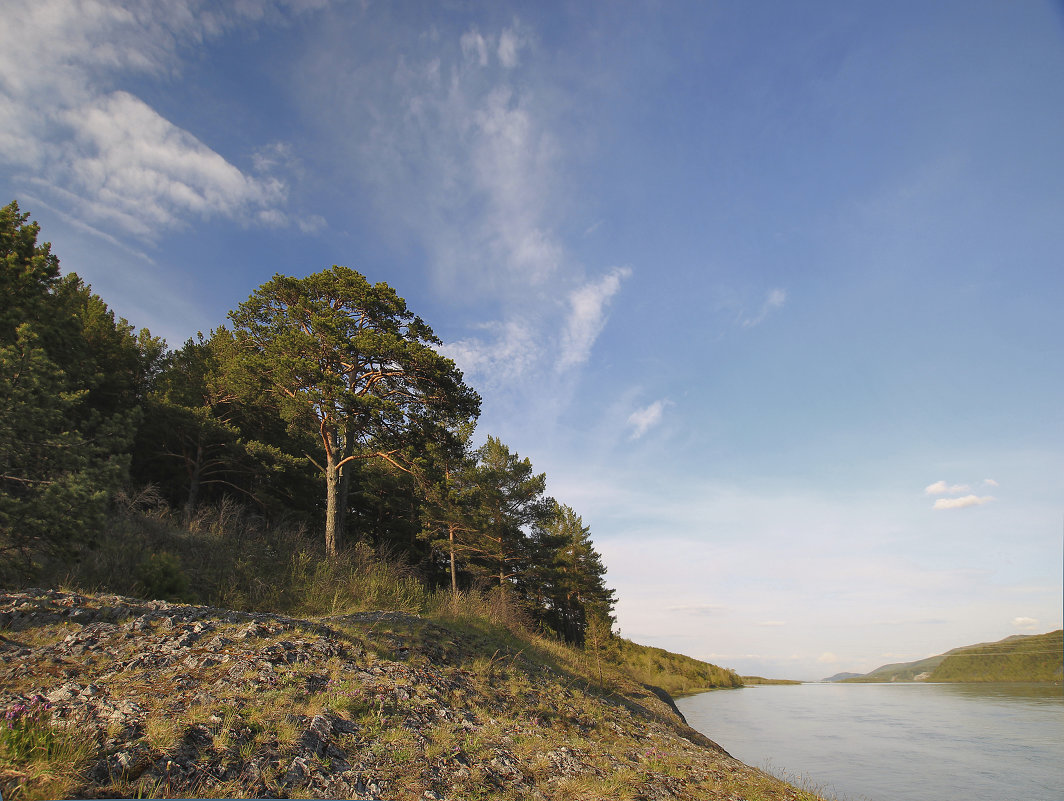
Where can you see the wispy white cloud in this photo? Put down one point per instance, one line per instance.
(474, 47)
(642, 420)
(1025, 623)
(101, 153)
(511, 41)
(587, 316)
(962, 502)
(509, 351)
(695, 609)
(827, 658)
(771, 624)
(775, 299)
(942, 488)
(464, 150)
(460, 151)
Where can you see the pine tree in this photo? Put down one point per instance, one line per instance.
(576, 587)
(511, 501)
(349, 365)
(71, 378)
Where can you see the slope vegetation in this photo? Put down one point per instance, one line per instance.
(1038, 657)
(1035, 658)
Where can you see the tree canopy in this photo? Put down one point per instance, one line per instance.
(350, 364)
(71, 378)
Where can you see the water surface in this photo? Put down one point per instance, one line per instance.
(896, 742)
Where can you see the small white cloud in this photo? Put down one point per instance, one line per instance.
(962, 502)
(311, 224)
(942, 488)
(771, 623)
(509, 45)
(1025, 623)
(642, 420)
(695, 609)
(827, 658)
(774, 300)
(474, 47)
(587, 316)
(990, 482)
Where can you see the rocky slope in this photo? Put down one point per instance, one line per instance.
(157, 699)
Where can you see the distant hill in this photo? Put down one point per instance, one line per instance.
(1035, 657)
(841, 676)
(751, 681)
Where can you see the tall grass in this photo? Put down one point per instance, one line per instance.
(229, 557)
(38, 760)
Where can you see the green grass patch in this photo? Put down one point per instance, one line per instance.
(37, 759)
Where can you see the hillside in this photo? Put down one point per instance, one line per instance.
(1037, 657)
(841, 676)
(110, 696)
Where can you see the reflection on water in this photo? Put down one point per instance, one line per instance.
(1037, 693)
(897, 742)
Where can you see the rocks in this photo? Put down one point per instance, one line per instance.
(195, 701)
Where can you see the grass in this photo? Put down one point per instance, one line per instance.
(37, 759)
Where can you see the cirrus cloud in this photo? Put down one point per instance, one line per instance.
(642, 420)
(587, 316)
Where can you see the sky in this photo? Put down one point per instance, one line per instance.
(772, 292)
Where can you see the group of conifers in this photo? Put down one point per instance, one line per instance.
(325, 399)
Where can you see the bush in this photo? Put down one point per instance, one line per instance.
(161, 577)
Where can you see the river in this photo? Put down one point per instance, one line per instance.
(895, 742)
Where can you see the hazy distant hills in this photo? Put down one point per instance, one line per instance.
(841, 676)
(1035, 657)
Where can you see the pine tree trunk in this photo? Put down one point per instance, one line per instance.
(345, 487)
(454, 573)
(332, 493)
(194, 484)
(343, 492)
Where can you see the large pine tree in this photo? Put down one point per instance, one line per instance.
(351, 366)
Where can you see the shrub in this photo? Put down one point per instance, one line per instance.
(161, 576)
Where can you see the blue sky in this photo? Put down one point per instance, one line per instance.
(772, 292)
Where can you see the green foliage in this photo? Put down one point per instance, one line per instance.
(348, 364)
(211, 431)
(571, 576)
(71, 379)
(160, 576)
(1038, 657)
(1035, 658)
(510, 500)
(675, 673)
(26, 732)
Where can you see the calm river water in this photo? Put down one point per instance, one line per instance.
(896, 742)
